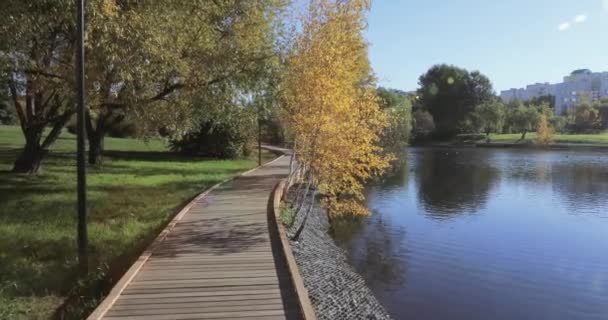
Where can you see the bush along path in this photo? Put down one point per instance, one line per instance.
(216, 260)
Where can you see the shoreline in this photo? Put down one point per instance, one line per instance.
(556, 146)
(337, 291)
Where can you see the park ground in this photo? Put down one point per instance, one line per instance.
(562, 139)
(140, 186)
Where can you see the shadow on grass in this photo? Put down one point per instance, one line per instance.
(128, 207)
(152, 156)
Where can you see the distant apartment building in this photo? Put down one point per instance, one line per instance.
(579, 84)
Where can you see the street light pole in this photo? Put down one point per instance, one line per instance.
(81, 164)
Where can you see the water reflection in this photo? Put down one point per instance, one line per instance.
(523, 234)
(378, 253)
(397, 177)
(583, 187)
(451, 183)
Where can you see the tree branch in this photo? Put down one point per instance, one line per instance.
(56, 131)
(167, 91)
(43, 73)
(18, 108)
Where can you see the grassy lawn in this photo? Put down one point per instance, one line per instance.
(138, 189)
(557, 138)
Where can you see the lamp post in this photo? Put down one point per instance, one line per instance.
(80, 141)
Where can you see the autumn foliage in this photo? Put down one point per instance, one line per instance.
(332, 107)
(544, 133)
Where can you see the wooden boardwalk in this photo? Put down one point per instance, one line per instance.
(220, 261)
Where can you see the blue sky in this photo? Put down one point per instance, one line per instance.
(513, 42)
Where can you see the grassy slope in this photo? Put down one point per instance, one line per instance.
(138, 189)
(558, 138)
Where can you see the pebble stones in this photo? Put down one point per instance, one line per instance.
(336, 290)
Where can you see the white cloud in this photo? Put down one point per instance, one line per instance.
(564, 26)
(580, 18)
(605, 2)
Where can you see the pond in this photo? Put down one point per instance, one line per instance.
(487, 234)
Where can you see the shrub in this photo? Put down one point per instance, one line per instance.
(224, 140)
(287, 216)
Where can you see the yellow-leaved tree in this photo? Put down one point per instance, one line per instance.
(544, 132)
(332, 108)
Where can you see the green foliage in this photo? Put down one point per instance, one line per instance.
(559, 123)
(7, 114)
(489, 117)
(146, 60)
(139, 189)
(273, 131)
(398, 109)
(450, 94)
(226, 139)
(589, 116)
(522, 119)
(548, 100)
(424, 125)
(116, 129)
(287, 216)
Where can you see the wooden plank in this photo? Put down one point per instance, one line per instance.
(218, 262)
(125, 300)
(209, 267)
(205, 274)
(214, 315)
(217, 293)
(170, 309)
(193, 290)
(204, 282)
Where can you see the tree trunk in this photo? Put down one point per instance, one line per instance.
(96, 147)
(523, 135)
(96, 136)
(30, 159)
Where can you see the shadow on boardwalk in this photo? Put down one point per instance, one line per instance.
(220, 261)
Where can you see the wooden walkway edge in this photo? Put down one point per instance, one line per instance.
(219, 258)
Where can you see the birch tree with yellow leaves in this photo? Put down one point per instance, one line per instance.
(332, 108)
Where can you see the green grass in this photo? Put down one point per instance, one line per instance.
(287, 216)
(601, 138)
(138, 189)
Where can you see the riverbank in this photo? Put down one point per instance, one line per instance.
(583, 142)
(131, 197)
(336, 290)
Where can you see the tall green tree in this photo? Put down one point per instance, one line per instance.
(450, 94)
(424, 125)
(587, 117)
(489, 117)
(37, 54)
(523, 119)
(398, 108)
(146, 60)
(157, 58)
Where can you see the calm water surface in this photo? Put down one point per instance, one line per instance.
(487, 234)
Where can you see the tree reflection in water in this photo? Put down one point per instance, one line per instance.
(451, 183)
(378, 252)
(583, 187)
